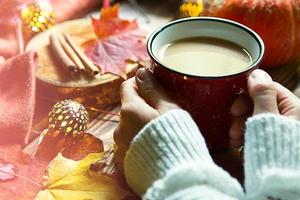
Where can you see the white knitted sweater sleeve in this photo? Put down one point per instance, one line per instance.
(169, 159)
(272, 158)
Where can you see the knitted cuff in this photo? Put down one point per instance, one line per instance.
(167, 142)
(197, 181)
(201, 192)
(272, 154)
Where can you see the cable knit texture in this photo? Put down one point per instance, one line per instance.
(172, 143)
(272, 157)
(169, 160)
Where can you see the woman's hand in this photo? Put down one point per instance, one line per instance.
(142, 100)
(267, 97)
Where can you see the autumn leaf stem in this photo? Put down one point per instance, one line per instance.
(22, 177)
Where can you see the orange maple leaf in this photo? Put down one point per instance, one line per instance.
(110, 24)
(119, 41)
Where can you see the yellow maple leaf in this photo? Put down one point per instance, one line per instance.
(68, 179)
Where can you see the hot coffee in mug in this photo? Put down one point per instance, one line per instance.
(204, 56)
(204, 63)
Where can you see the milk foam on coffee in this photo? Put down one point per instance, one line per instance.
(204, 56)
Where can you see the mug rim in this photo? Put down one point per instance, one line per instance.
(216, 19)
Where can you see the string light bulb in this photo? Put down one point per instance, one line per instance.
(37, 18)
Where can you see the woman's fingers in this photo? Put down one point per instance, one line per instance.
(288, 103)
(152, 92)
(237, 127)
(242, 106)
(128, 91)
(236, 143)
(236, 132)
(130, 98)
(240, 110)
(263, 92)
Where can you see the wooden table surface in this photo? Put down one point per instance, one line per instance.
(102, 125)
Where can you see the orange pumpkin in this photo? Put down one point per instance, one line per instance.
(276, 21)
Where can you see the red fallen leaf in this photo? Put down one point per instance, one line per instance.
(119, 41)
(73, 147)
(28, 174)
(6, 171)
(113, 53)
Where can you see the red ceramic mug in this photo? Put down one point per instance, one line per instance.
(207, 99)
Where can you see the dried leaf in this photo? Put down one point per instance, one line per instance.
(68, 179)
(119, 41)
(79, 147)
(75, 147)
(6, 171)
(106, 166)
(52, 139)
(28, 174)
